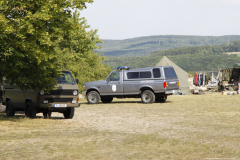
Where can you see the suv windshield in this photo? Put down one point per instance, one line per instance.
(66, 77)
(114, 77)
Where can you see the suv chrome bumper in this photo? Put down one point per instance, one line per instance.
(173, 91)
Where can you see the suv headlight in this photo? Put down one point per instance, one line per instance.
(42, 92)
(75, 93)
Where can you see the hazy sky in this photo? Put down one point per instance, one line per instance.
(122, 19)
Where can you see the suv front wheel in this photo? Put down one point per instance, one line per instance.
(148, 96)
(93, 97)
(69, 113)
(10, 111)
(161, 99)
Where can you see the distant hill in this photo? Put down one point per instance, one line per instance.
(198, 58)
(146, 45)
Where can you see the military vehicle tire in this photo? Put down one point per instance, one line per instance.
(10, 111)
(93, 97)
(161, 99)
(106, 99)
(47, 115)
(69, 113)
(148, 96)
(30, 111)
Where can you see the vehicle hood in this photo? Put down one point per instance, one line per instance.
(95, 82)
(67, 86)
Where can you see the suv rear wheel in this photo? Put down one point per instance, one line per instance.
(30, 111)
(10, 111)
(148, 96)
(106, 99)
(47, 115)
(93, 97)
(161, 99)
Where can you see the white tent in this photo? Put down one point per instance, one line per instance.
(182, 75)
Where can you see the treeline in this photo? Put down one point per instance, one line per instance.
(146, 45)
(198, 58)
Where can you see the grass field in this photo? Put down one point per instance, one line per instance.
(185, 127)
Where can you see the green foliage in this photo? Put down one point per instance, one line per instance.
(36, 34)
(146, 45)
(198, 58)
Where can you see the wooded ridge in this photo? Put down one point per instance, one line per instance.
(146, 45)
(188, 58)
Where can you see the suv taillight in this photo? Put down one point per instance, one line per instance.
(165, 84)
(178, 83)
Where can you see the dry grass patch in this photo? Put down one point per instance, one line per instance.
(185, 127)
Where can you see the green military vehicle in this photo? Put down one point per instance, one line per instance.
(63, 99)
(229, 78)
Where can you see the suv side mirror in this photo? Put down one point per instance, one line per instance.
(77, 81)
(108, 79)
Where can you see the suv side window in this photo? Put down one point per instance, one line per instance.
(115, 76)
(132, 75)
(145, 75)
(135, 75)
(156, 73)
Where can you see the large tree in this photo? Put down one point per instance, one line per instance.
(76, 52)
(30, 30)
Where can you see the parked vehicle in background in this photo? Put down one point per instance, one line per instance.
(63, 99)
(229, 78)
(151, 84)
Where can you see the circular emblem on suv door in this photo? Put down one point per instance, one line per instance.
(114, 88)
